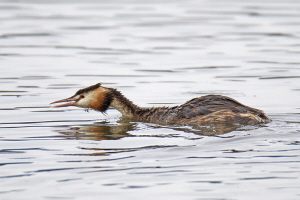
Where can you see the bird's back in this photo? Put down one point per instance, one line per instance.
(212, 109)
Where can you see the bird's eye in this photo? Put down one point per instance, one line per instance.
(81, 96)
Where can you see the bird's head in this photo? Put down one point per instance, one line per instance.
(95, 97)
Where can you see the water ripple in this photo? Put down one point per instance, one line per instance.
(158, 53)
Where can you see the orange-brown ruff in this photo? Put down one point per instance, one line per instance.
(204, 111)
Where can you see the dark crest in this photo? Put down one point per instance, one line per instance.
(88, 89)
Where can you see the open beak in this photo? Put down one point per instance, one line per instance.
(70, 102)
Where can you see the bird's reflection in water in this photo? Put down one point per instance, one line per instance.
(216, 130)
(115, 131)
(99, 131)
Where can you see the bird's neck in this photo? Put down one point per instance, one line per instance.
(125, 106)
(134, 112)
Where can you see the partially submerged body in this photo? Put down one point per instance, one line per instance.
(207, 110)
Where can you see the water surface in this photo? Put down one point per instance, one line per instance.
(157, 54)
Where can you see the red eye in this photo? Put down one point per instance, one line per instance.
(82, 96)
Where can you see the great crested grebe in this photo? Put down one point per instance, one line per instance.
(203, 111)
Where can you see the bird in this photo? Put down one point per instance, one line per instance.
(206, 110)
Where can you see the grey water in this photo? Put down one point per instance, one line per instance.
(158, 53)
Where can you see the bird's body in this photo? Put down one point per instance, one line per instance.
(204, 111)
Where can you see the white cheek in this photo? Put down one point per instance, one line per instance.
(83, 103)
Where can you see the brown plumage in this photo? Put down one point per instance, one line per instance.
(204, 111)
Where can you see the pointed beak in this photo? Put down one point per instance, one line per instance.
(70, 102)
